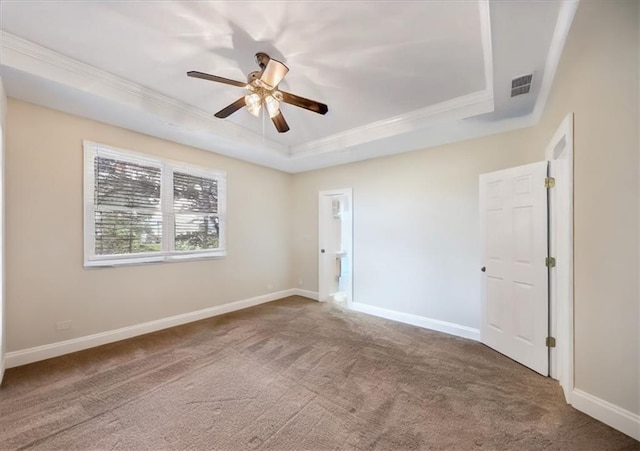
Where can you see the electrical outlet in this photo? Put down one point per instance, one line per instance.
(270, 286)
(63, 325)
(300, 281)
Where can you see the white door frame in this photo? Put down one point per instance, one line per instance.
(3, 133)
(559, 153)
(348, 193)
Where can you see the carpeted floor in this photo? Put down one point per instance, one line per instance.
(292, 375)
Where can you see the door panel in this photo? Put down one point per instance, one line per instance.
(513, 222)
(496, 311)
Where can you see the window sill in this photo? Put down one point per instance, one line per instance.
(167, 258)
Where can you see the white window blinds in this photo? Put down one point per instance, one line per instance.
(128, 218)
(195, 204)
(141, 209)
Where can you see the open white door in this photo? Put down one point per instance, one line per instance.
(334, 239)
(3, 111)
(513, 227)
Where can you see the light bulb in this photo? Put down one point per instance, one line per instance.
(253, 102)
(273, 106)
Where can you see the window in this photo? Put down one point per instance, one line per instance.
(143, 209)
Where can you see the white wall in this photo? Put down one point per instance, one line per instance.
(416, 247)
(46, 281)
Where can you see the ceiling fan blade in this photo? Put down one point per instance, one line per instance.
(229, 110)
(280, 123)
(301, 102)
(273, 73)
(202, 75)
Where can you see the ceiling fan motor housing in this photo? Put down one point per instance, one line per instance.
(262, 59)
(253, 76)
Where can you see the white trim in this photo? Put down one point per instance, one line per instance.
(347, 222)
(559, 153)
(168, 168)
(179, 122)
(610, 414)
(35, 354)
(420, 321)
(407, 318)
(455, 109)
(110, 261)
(3, 311)
(487, 48)
(563, 25)
(306, 293)
(233, 140)
(33, 58)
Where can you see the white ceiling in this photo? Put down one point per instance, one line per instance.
(397, 76)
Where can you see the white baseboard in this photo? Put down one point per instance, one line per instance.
(420, 321)
(30, 355)
(306, 293)
(610, 414)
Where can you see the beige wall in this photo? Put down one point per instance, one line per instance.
(46, 281)
(416, 247)
(598, 80)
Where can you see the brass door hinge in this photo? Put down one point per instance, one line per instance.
(550, 262)
(551, 342)
(549, 182)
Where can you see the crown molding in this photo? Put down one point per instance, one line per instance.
(32, 58)
(563, 25)
(45, 63)
(459, 108)
(147, 111)
(487, 48)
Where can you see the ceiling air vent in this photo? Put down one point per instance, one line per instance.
(521, 85)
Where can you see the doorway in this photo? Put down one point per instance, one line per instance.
(559, 153)
(335, 246)
(559, 252)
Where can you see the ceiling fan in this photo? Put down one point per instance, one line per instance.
(263, 91)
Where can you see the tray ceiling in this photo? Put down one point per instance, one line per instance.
(396, 75)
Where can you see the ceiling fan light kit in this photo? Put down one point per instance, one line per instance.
(263, 87)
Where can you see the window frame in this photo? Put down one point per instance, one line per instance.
(167, 253)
